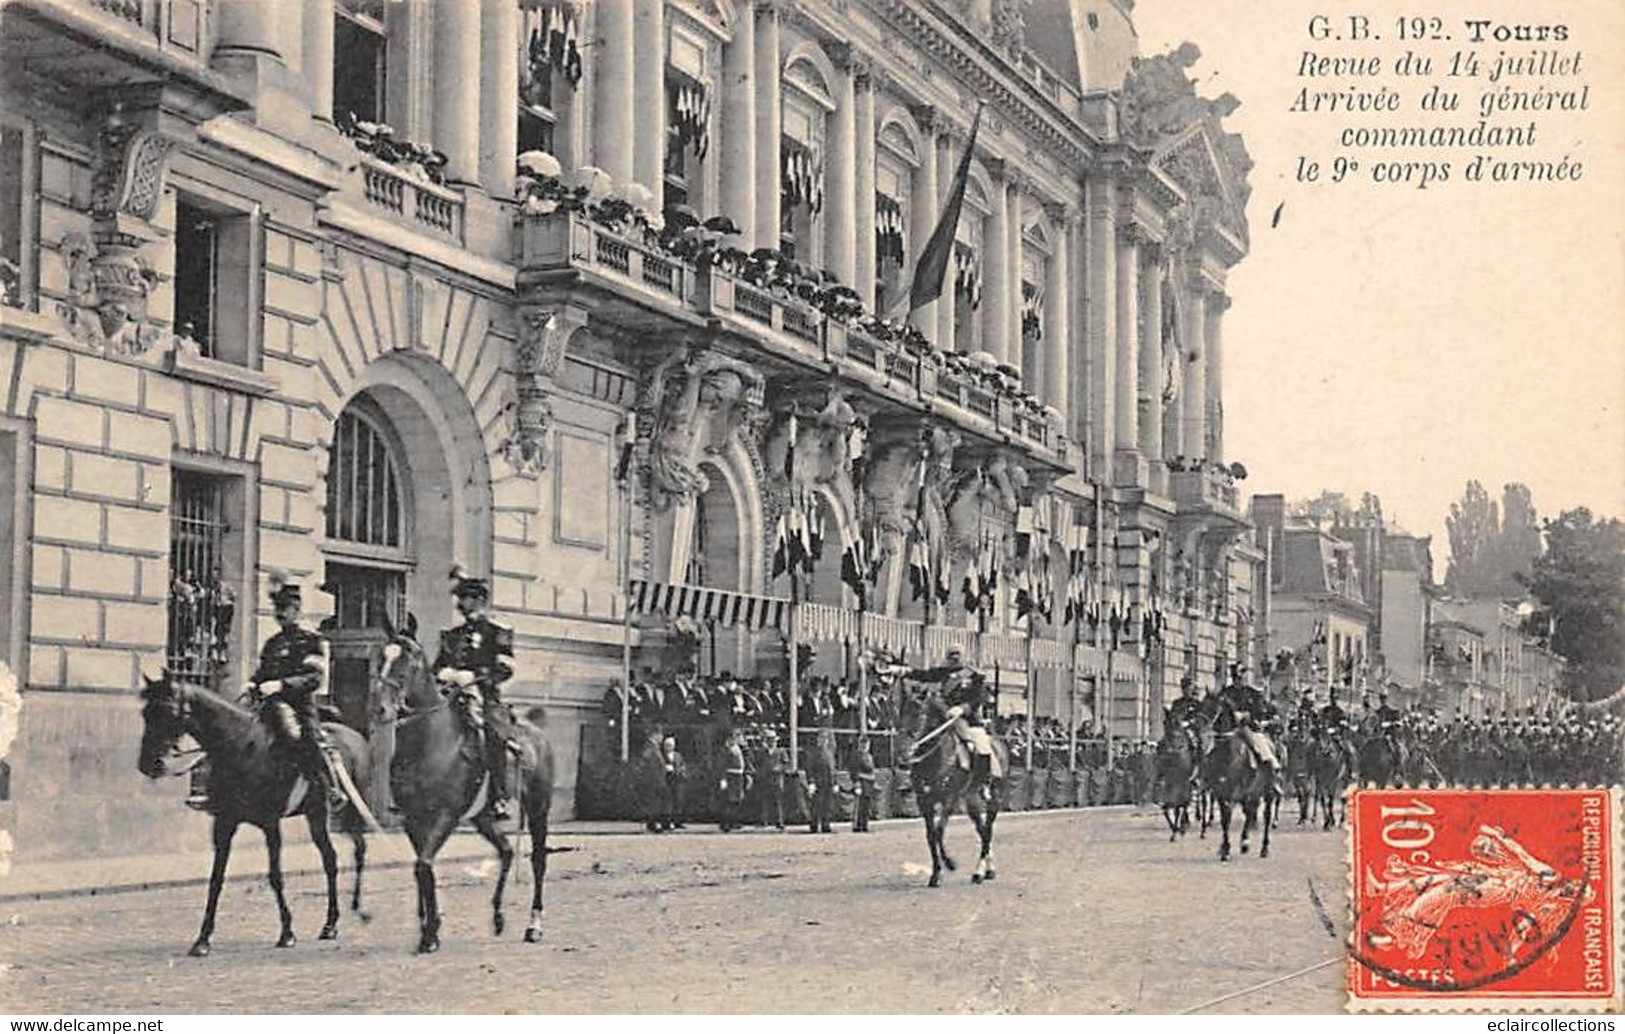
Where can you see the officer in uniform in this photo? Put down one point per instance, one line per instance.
(293, 664)
(1306, 720)
(1184, 712)
(1253, 715)
(1334, 725)
(479, 652)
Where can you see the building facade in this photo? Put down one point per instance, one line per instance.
(279, 297)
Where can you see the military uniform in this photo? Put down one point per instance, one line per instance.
(1253, 713)
(483, 649)
(292, 668)
(862, 766)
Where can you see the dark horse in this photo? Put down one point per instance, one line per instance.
(1176, 769)
(438, 778)
(941, 783)
(1330, 767)
(1233, 776)
(1380, 761)
(252, 779)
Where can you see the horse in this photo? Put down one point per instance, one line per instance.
(1176, 767)
(1300, 772)
(438, 778)
(1234, 776)
(1380, 762)
(941, 783)
(252, 780)
(1330, 770)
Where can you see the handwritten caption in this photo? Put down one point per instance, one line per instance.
(1425, 103)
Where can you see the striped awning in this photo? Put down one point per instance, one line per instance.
(719, 606)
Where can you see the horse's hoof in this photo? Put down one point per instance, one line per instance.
(287, 940)
(428, 946)
(935, 881)
(988, 876)
(1245, 848)
(199, 949)
(976, 877)
(1264, 852)
(533, 936)
(330, 932)
(498, 923)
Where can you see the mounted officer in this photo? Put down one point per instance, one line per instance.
(1306, 721)
(1185, 712)
(1254, 715)
(293, 665)
(1334, 726)
(479, 653)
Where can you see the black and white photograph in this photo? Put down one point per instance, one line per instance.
(817, 507)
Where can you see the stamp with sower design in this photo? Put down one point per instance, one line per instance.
(1484, 899)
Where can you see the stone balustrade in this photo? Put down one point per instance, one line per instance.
(424, 206)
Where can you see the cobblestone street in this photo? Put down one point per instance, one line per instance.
(1092, 911)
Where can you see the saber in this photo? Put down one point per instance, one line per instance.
(356, 800)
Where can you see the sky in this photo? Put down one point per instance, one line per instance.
(1401, 341)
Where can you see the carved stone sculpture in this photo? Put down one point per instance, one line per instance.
(702, 401)
(543, 335)
(108, 289)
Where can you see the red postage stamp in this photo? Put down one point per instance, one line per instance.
(1484, 899)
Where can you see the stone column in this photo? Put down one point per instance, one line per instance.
(769, 124)
(995, 253)
(1012, 281)
(864, 220)
(946, 166)
(649, 91)
(290, 35)
(614, 119)
(840, 171)
(499, 91)
(1151, 363)
(456, 101)
(1078, 321)
(1217, 303)
(246, 27)
(1194, 416)
(1126, 463)
(1057, 315)
(318, 57)
(1102, 328)
(923, 218)
(739, 129)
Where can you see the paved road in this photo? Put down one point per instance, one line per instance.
(1093, 911)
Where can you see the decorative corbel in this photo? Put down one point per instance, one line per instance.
(544, 333)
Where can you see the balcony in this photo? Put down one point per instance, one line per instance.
(406, 197)
(641, 286)
(1206, 491)
(91, 44)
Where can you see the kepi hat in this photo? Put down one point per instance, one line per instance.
(463, 584)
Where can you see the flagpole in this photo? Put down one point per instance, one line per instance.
(1032, 694)
(628, 437)
(1072, 697)
(795, 676)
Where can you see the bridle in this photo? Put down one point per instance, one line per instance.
(181, 716)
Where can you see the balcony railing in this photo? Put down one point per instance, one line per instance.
(572, 241)
(176, 25)
(425, 206)
(1204, 488)
(793, 329)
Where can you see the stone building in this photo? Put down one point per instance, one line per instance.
(1320, 618)
(278, 299)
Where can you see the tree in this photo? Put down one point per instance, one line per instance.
(1328, 504)
(1580, 584)
(1491, 546)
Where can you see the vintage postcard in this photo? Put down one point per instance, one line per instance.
(535, 506)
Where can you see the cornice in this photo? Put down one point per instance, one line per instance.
(981, 67)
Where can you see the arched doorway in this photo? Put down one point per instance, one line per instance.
(368, 548)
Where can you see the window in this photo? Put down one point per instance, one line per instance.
(216, 283)
(967, 298)
(202, 604)
(359, 61)
(364, 504)
(536, 116)
(891, 229)
(688, 120)
(364, 596)
(801, 177)
(694, 573)
(18, 215)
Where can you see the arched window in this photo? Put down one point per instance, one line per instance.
(363, 485)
